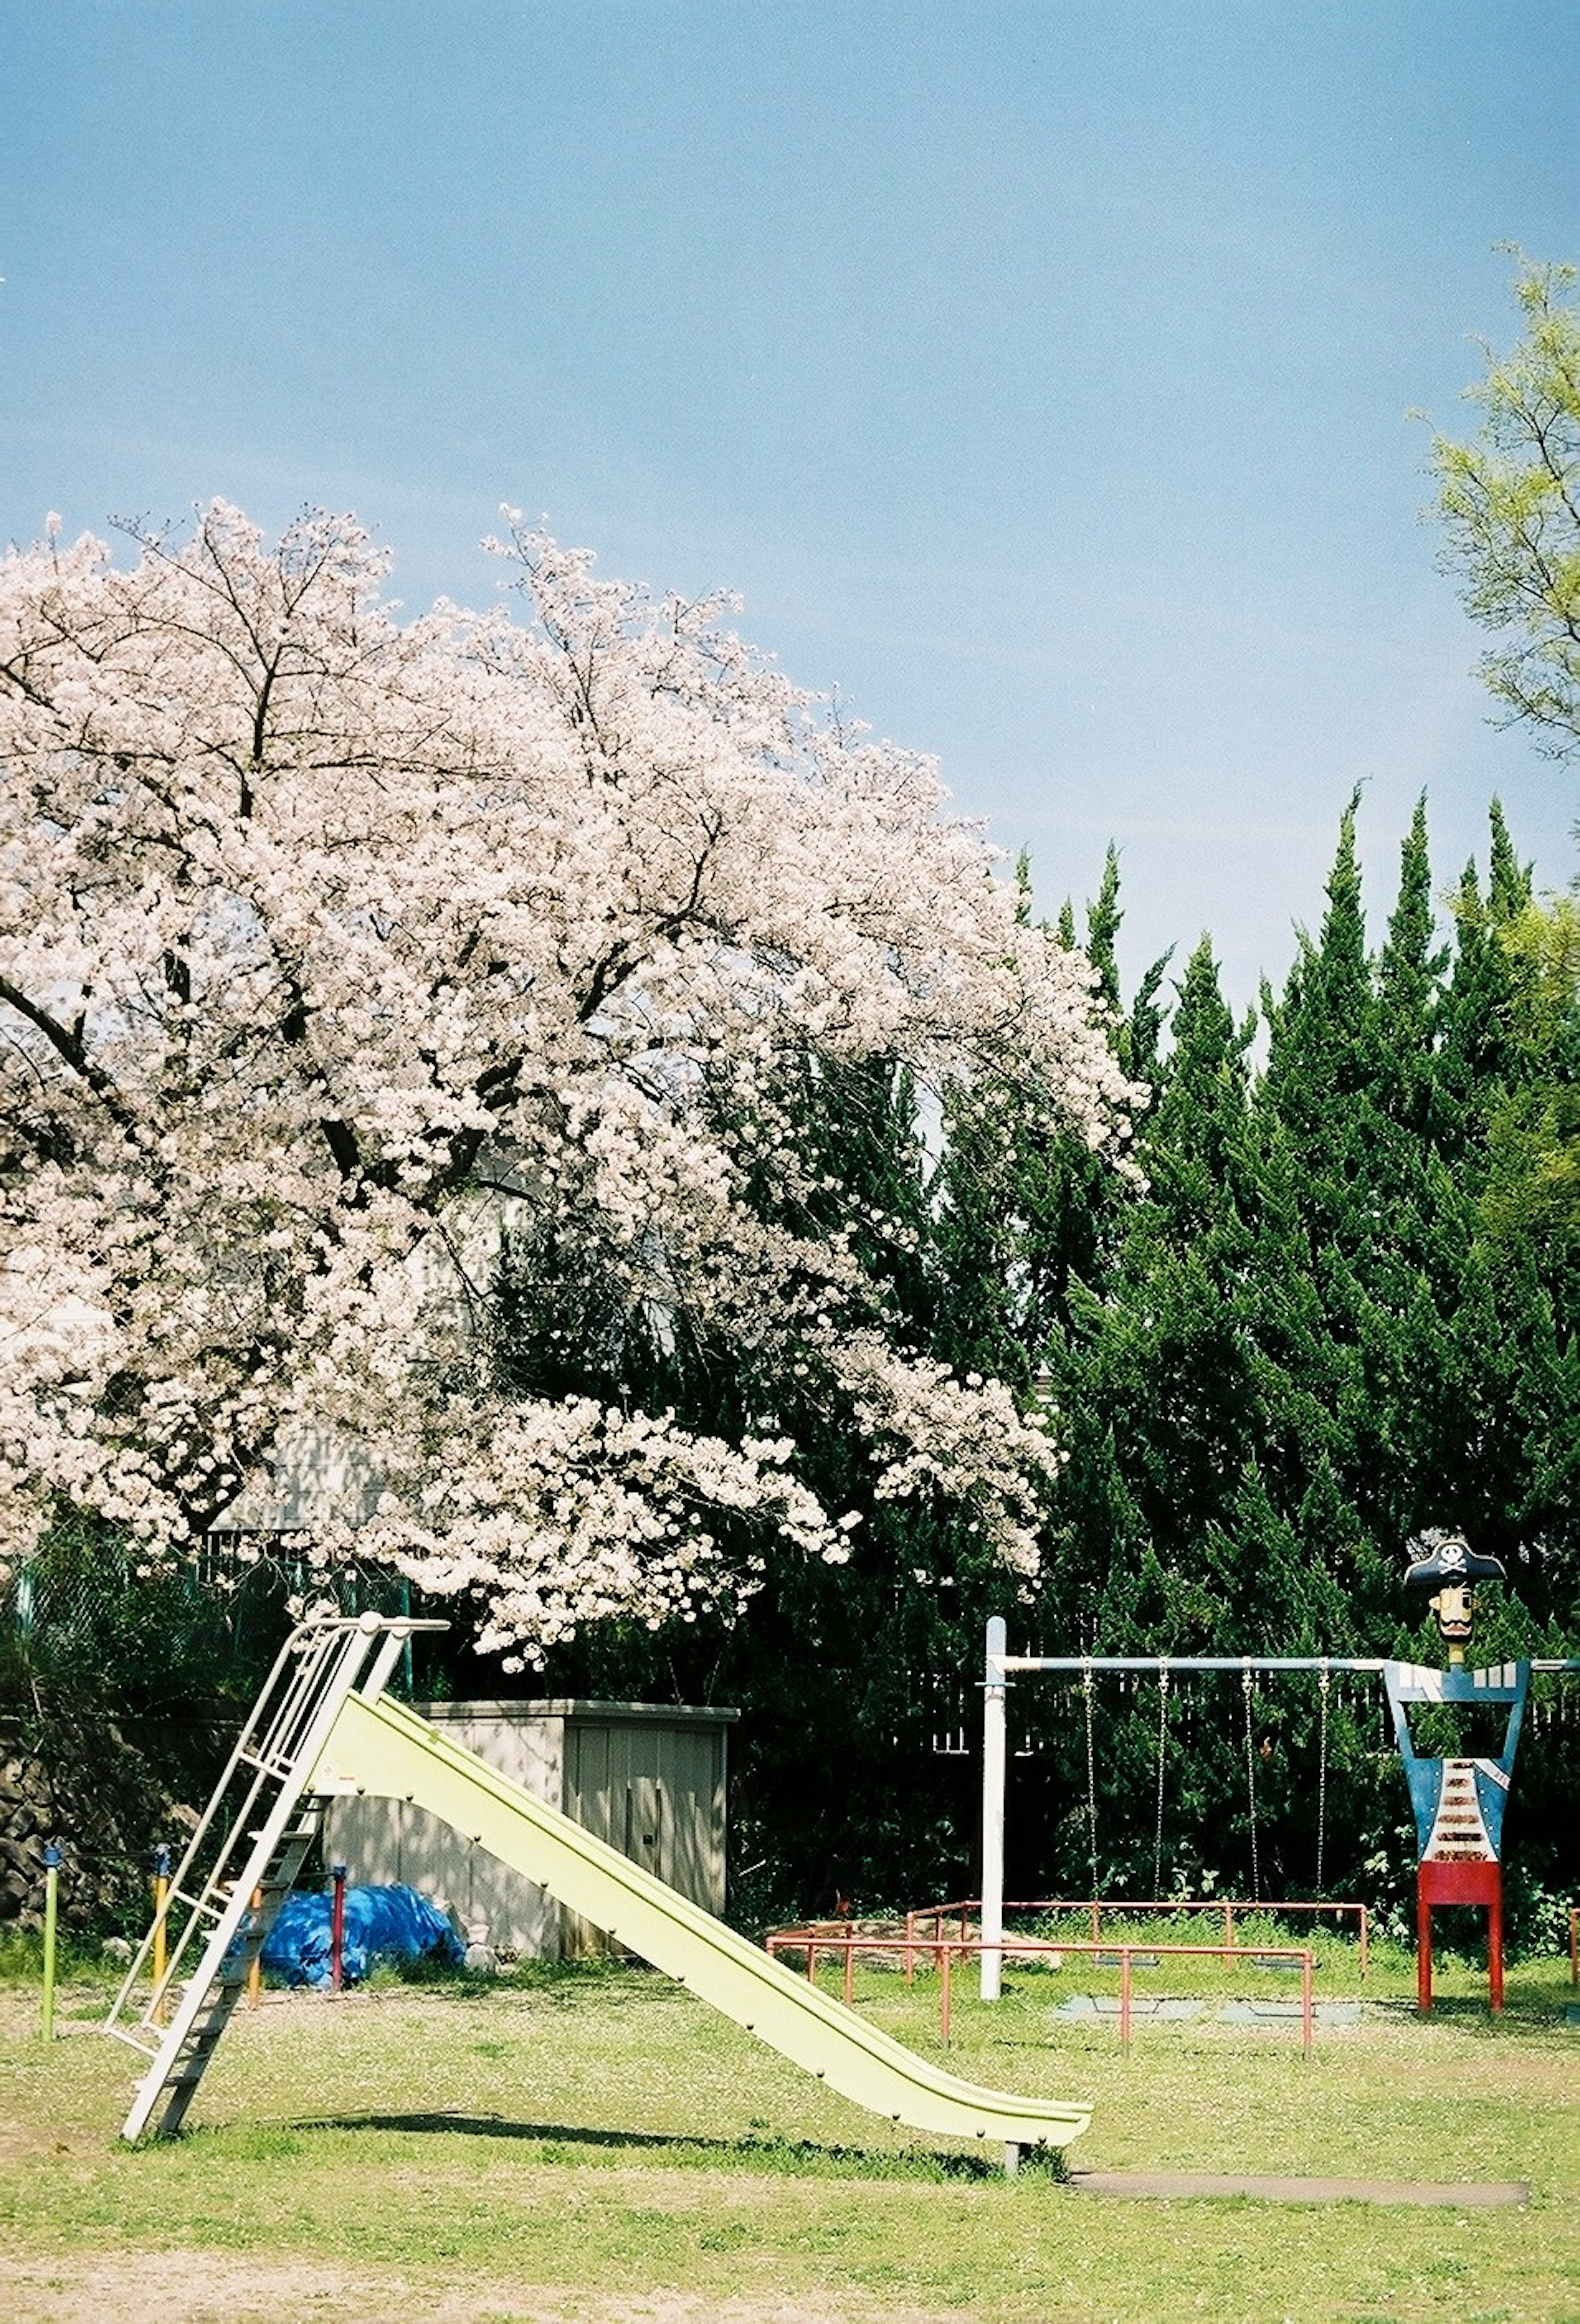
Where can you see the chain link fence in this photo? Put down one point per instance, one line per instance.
(88, 1613)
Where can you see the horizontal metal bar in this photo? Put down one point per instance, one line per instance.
(1548, 1665)
(119, 2033)
(796, 1940)
(1155, 1663)
(1122, 1904)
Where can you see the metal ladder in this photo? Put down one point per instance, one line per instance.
(252, 1840)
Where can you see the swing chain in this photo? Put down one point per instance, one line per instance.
(1323, 1684)
(1086, 1689)
(1251, 1791)
(1162, 1743)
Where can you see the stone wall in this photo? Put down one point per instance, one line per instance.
(105, 1792)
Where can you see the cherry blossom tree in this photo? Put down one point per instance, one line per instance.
(339, 952)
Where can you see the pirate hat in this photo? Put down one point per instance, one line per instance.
(1441, 1560)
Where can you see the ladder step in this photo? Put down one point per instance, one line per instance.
(200, 2052)
(282, 1873)
(276, 1883)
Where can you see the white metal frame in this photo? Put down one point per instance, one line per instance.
(1002, 1665)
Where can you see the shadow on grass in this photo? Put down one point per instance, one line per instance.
(795, 2158)
(1469, 2013)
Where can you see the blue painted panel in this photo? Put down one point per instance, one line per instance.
(1408, 1682)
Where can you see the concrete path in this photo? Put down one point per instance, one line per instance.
(1228, 2013)
(1474, 2195)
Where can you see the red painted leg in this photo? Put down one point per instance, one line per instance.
(1423, 1947)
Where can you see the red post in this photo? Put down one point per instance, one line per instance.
(911, 1949)
(944, 1998)
(1228, 1929)
(1306, 2003)
(1096, 1922)
(1365, 1937)
(849, 1966)
(1473, 1881)
(1125, 2000)
(811, 1962)
(337, 1927)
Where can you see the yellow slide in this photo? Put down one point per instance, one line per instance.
(380, 1747)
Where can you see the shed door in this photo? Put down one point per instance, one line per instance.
(646, 1838)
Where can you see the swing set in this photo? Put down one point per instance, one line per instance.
(1404, 1683)
(1161, 1669)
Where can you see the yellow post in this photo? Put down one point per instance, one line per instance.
(161, 1898)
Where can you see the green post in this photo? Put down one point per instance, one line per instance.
(51, 1901)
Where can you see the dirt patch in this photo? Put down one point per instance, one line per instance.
(20, 2141)
(178, 2287)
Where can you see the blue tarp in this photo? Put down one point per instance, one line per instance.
(393, 1925)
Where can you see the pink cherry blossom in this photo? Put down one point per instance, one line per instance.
(335, 949)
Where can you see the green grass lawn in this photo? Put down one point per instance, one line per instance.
(587, 2137)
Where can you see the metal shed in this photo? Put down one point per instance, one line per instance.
(650, 1778)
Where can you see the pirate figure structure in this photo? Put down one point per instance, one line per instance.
(1458, 1803)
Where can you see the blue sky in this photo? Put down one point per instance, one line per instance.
(1039, 374)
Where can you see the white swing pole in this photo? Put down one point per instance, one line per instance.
(995, 1690)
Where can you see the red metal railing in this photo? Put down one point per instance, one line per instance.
(965, 1909)
(843, 1938)
(337, 1927)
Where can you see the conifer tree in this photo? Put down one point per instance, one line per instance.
(1293, 1343)
(1409, 978)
